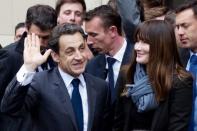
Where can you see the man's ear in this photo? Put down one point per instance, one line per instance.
(55, 56)
(113, 31)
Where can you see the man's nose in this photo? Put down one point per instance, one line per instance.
(89, 40)
(180, 31)
(78, 55)
(72, 17)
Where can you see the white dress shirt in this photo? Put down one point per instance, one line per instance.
(83, 92)
(116, 66)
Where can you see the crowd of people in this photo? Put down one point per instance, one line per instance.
(129, 65)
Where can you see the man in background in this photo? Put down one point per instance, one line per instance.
(103, 27)
(19, 30)
(186, 30)
(72, 11)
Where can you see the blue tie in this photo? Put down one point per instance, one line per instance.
(77, 104)
(110, 62)
(193, 70)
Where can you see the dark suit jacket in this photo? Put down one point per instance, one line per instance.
(11, 59)
(49, 102)
(97, 66)
(173, 114)
(184, 56)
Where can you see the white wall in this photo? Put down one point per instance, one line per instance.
(13, 12)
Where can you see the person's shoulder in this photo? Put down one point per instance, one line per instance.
(98, 58)
(8, 51)
(10, 46)
(98, 84)
(95, 62)
(94, 79)
(182, 81)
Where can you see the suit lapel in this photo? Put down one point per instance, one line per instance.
(127, 53)
(184, 56)
(126, 60)
(62, 93)
(91, 93)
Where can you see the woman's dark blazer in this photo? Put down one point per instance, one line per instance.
(173, 114)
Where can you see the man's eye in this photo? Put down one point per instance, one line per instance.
(93, 34)
(67, 12)
(82, 48)
(185, 26)
(78, 14)
(69, 52)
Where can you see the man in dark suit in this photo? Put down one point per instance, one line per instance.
(53, 98)
(19, 30)
(186, 29)
(40, 19)
(103, 27)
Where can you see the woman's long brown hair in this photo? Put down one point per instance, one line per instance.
(164, 59)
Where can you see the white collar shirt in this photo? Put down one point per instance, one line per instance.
(119, 57)
(82, 90)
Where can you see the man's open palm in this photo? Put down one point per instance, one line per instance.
(32, 56)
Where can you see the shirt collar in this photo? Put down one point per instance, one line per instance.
(192, 53)
(67, 78)
(119, 55)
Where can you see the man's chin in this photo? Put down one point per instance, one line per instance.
(79, 69)
(78, 72)
(184, 46)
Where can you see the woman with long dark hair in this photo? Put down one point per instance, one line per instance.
(156, 91)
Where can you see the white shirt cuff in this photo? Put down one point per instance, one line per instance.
(24, 77)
